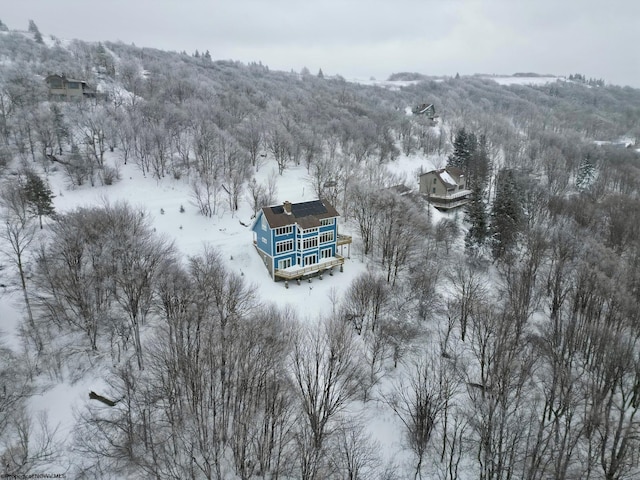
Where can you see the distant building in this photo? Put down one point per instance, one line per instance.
(445, 188)
(298, 240)
(63, 88)
(428, 110)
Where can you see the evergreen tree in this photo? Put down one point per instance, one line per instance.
(38, 195)
(471, 155)
(320, 74)
(3, 27)
(506, 215)
(33, 28)
(461, 153)
(586, 174)
(477, 171)
(479, 167)
(476, 215)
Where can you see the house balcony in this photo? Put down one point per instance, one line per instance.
(448, 202)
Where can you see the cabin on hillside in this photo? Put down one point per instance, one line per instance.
(63, 88)
(428, 110)
(445, 188)
(299, 240)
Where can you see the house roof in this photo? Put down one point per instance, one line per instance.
(64, 78)
(305, 214)
(449, 176)
(425, 108)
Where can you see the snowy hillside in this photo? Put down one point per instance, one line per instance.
(174, 215)
(143, 337)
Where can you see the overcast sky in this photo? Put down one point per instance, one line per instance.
(365, 38)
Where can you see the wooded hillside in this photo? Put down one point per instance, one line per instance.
(503, 338)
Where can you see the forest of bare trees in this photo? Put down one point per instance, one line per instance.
(503, 340)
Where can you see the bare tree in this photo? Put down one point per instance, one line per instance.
(355, 455)
(466, 289)
(366, 306)
(326, 372)
(206, 190)
(29, 447)
(97, 260)
(257, 196)
(420, 400)
(251, 137)
(403, 227)
(18, 233)
(365, 214)
(27, 443)
(138, 254)
(497, 381)
(279, 142)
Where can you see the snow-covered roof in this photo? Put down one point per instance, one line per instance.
(447, 178)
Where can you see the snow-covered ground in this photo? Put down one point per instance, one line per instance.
(231, 235)
(393, 85)
(624, 142)
(390, 84)
(512, 80)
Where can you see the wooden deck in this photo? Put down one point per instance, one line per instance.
(448, 202)
(324, 264)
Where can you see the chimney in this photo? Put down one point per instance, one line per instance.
(287, 207)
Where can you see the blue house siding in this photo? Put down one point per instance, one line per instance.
(286, 237)
(264, 238)
(291, 256)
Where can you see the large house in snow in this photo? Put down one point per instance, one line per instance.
(445, 188)
(63, 88)
(298, 240)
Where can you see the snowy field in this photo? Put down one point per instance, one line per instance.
(391, 84)
(500, 79)
(511, 80)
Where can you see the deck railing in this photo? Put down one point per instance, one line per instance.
(316, 267)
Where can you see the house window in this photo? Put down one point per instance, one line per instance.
(308, 243)
(326, 253)
(310, 260)
(434, 181)
(309, 230)
(327, 221)
(264, 223)
(326, 237)
(286, 263)
(434, 190)
(284, 246)
(288, 230)
(264, 240)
